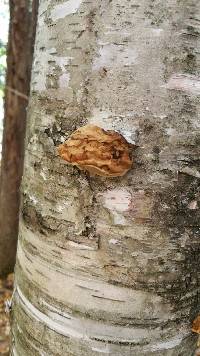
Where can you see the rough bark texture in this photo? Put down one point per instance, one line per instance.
(110, 266)
(19, 60)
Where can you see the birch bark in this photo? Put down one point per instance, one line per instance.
(110, 266)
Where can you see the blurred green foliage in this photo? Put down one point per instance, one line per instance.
(2, 66)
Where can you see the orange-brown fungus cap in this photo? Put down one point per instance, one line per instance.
(196, 325)
(105, 153)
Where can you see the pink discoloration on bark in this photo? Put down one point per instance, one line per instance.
(184, 82)
(193, 205)
(141, 206)
(117, 200)
(136, 205)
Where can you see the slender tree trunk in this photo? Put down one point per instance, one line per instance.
(19, 60)
(110, 266)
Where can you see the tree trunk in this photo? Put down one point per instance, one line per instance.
(110, 265)
(19, 60)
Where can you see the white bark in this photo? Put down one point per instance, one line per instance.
(110, 266)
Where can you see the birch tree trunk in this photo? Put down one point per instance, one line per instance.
(110, 266)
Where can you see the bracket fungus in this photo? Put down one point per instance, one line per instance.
(196, 325)
(100, 152)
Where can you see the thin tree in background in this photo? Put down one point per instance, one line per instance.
(110, 266)
(19, 61)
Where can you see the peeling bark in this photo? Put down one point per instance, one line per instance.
(111, 266)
